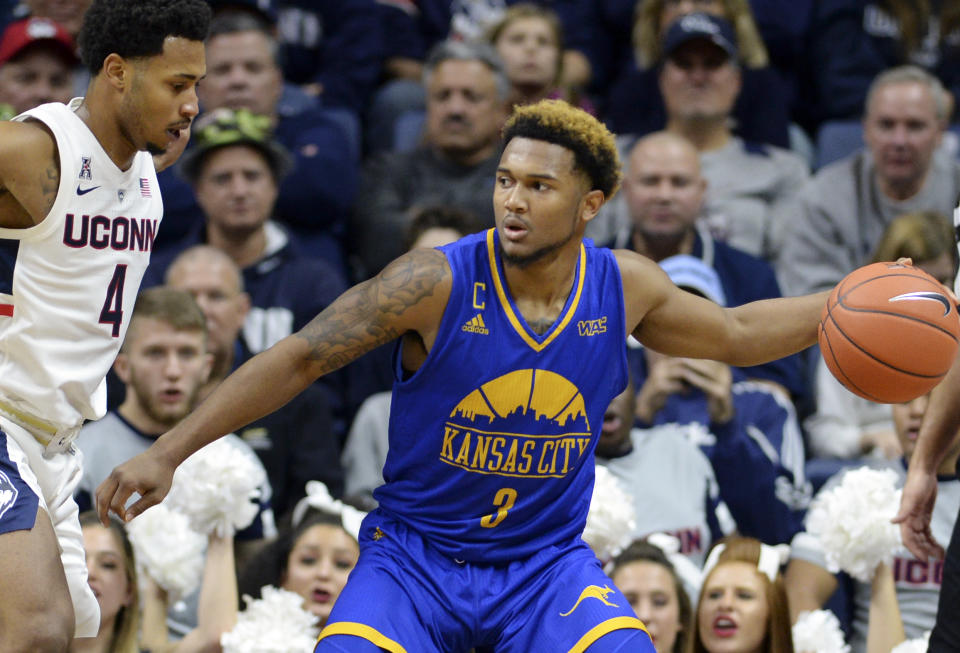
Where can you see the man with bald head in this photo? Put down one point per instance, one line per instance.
(665, 193)
(295, 444)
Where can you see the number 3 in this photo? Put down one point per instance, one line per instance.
(504, 499)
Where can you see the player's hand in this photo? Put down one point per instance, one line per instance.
(916, 509)
(716, 381)
(147, 474)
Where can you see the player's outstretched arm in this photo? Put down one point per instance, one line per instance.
(682, 324)
(938, 431)
(409, 295)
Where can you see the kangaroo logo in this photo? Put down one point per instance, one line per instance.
(592, 592)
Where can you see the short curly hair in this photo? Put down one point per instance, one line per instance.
(555, 121)
(135, 28)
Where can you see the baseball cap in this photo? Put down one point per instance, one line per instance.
(687, 28)
(24, 33)
(687, 271)
(224, 127)
(266, 9)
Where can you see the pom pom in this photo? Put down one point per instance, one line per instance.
(611, 519)
(276, 623)
(918, 645)
(818, 632)
(216, 488)
(167, 550)
(852, 522)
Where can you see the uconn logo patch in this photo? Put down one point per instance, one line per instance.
(8, 493)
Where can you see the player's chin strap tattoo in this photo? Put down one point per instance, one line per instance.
(771, 559)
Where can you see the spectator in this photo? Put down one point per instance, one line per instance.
(853, 41)
(243, 73)
(633, 104)
(68, 13)
(333, 50)
(113, 575)
(297, 443)
(650, 583)
(235, 168)
(529, 40)
(917, 581)
(738, 424)
(365, 450)
(466, 105)
(664, 195)
(841, 213)
(671, 481)
(312, 557)
(847, 426)
(163, 362)
(37, 61)
(743, 604)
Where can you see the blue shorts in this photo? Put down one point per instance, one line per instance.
(404, 595)
(18, 502)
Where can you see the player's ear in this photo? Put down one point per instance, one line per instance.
(122, 367)
(117, 71)
(590, 204)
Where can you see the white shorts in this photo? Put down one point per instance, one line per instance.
(53, 479)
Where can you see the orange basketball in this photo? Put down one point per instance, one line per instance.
(889, 332)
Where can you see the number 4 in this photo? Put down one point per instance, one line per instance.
(504, 499)
(112, 311)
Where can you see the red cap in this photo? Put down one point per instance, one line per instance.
(23, 33)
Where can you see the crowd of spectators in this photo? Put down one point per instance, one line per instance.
(769, 147)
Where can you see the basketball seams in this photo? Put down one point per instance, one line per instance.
(838, 371)
(902, 316)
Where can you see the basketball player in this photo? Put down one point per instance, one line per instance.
(512, 344)
(79, 205)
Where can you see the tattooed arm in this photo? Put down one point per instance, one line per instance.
(29, 173)
(408, 296)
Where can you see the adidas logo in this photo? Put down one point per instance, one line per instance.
(476, 325)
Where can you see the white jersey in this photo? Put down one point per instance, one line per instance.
(66, 309)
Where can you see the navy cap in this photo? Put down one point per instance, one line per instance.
(687, 28)
(266, 9)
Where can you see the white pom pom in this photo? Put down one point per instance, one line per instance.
(216, 488)
(276, 623)
(611, 519)
(818, 632)
(852, 522)
(918, 645)
(167, 549)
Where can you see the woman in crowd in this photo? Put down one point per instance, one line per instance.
(655, 592)
(312, 557)
(743, 604)
(529, 40)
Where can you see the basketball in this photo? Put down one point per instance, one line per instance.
(889, 332)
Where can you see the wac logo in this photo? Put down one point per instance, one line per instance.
(592, 327)
(528, 423)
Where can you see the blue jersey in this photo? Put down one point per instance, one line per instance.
(492, 439)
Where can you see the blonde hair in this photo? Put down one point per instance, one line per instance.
(126, 627)
(555, 121)
(913, 16)
(778, 638)
(921, 235)
(647, 37)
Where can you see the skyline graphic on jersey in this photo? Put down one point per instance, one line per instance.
(509, 399)
(527, 423)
